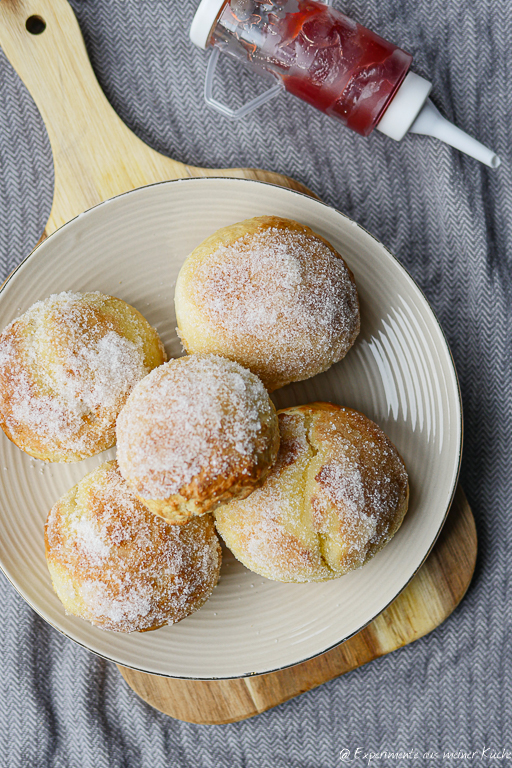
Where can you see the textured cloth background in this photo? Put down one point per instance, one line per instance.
(449, 220)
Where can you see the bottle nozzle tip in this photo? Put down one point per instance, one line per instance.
(432, 123)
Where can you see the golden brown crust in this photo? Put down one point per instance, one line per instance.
(204, 494)
(67, 366)
(337, 494)
(271, 294)
(118, 566)
(196, 433)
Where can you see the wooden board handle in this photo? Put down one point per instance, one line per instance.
(87, 138)
(95, 155)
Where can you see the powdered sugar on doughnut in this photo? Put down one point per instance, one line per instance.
(199, 416)
(337, 492)
(65, 370)
(128, 569)
(366, 481)
(284, 287)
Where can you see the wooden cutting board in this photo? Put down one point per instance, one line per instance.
(96, 157)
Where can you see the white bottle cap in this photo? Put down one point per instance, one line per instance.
(411, 110)
(405, 106)
(204, 20)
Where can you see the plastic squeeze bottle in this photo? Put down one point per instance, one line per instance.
(338, 66)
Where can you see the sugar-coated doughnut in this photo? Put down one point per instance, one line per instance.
(336, 495)
(271, 294)
(67, 366)
(197, 432)
(122, 568)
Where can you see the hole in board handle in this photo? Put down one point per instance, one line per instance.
(35, 25)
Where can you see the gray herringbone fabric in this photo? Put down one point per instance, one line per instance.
(449, 220)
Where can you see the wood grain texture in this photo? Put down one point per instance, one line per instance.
(96, 157)
(426, 602)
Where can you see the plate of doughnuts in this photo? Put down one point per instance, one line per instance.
(284, 393)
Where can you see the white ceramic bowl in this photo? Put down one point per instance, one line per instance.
(399, 373)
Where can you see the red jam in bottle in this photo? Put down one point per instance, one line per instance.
(322, 56)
